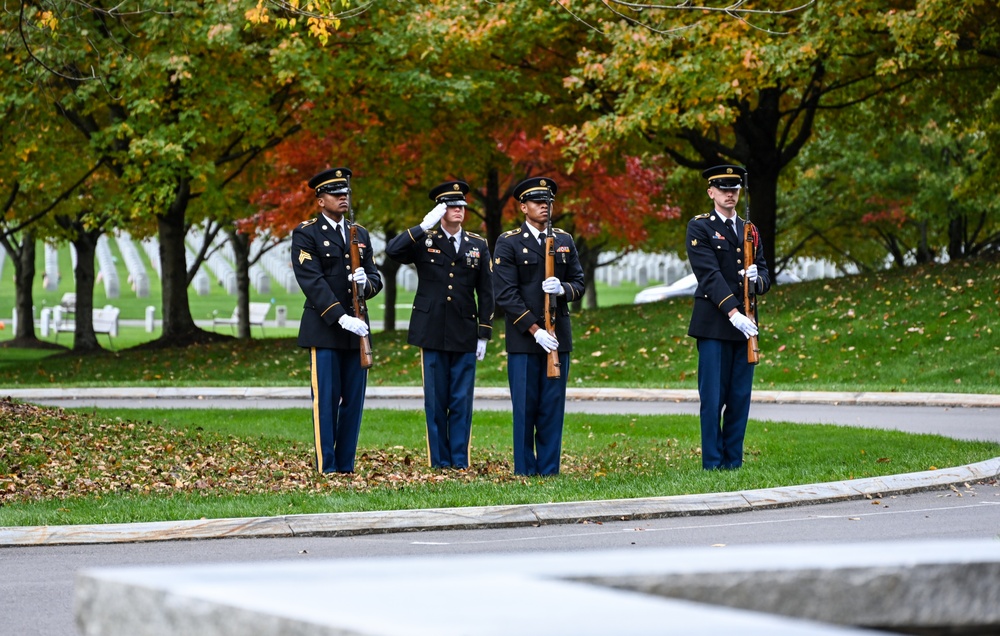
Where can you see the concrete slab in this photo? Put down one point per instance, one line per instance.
(923, 584)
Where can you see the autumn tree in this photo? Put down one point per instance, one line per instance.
(737, 86)
(177, 103)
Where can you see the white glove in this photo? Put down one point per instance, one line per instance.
(553, 285)
(481, 349)
(354, 325)
(546, 341)
(750, 272)
(359, 276)
(744, 324)
(431, 218)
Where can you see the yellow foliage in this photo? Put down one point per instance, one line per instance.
(47, 20)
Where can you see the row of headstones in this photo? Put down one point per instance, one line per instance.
(637, 267)
(644, 268)
(640, 268)
(106, 271)
(138, 277)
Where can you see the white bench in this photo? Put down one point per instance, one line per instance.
(258, 312)
(105, 321)
(68, 302)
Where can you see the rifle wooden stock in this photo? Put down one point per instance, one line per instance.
(749, 299)
(551, 300)
(360, 309)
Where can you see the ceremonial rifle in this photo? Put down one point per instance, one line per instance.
(749, 258)
(551, 300)
(360, 309)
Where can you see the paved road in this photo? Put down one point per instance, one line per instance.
(37, 586)
(36, 589)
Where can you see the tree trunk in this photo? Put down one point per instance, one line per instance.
(757, 132)
(178, 325)
(924, 252)
(84, 338)
(390, 288)
(493, 208)
(241, 252)
(589, 255)
(956, 236)
(24, 276)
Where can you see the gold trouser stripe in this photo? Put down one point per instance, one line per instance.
(315, 407)
(724, 300)
(427, 423)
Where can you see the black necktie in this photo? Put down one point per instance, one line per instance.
(732, 228)
(454, 241)
(340, 233)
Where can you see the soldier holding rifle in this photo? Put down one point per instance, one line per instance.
(330, 328)
(522, 293)
(717, 245)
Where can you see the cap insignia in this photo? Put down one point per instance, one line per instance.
(542, 183)
(729, 171)
(455, 187)
(338, 173)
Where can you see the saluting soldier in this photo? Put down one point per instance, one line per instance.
(539, 402)
(725, 377)
(452, 318)
(321, 260)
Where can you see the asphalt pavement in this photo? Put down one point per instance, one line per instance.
(963, 416)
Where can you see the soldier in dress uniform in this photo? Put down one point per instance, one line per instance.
(521, 288)
(725, 377)
(321, 260)
(452, 318)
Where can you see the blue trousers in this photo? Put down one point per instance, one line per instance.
(725, 380)
(539, 406)
(449, 381)
(338, 398)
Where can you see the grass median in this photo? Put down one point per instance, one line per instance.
(112, 466)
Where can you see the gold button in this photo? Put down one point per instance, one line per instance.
(450, 287)
(451, 274)
(449, 298)
(453, 264)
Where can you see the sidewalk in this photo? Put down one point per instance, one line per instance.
(498, 393)
(343, 524)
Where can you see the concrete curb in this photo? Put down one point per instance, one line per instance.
(357, 523)
(496, 393)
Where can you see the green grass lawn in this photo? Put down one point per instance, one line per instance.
(129, 465)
